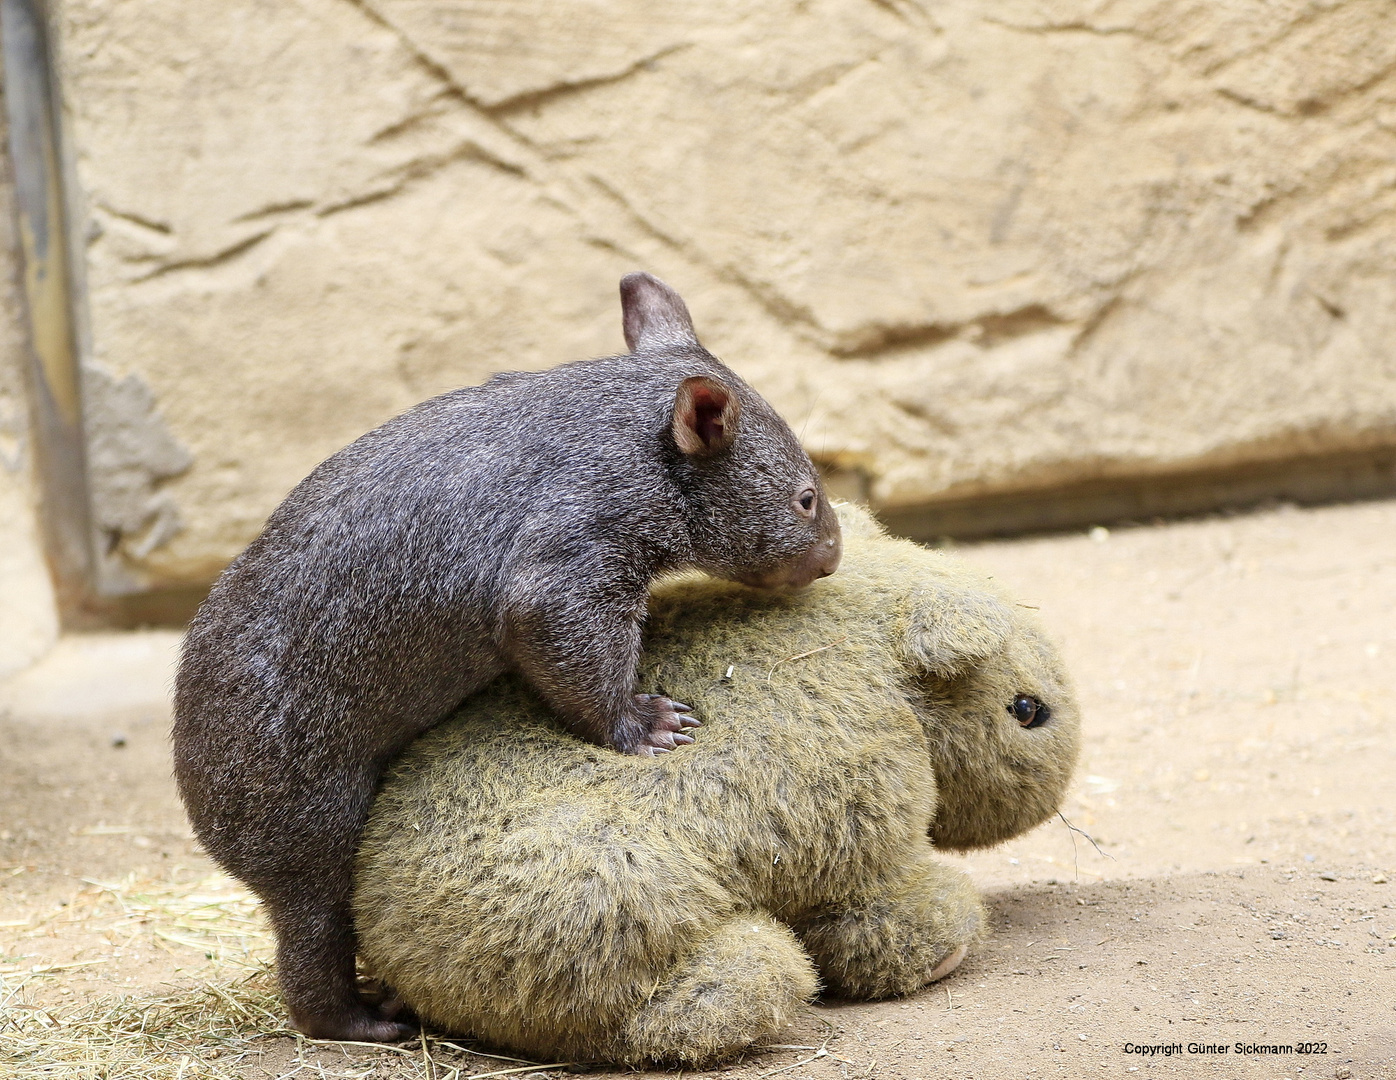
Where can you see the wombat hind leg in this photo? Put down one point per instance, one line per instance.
(744, 981)
(897, 938)
(315, 965)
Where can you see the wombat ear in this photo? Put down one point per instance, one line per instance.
(653, 315)
(952, 631)
(705, 415)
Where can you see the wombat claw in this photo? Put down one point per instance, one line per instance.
(667, 720)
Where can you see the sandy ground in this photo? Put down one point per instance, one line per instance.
(1239, 774)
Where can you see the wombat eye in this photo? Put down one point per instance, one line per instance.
(1028, 711)
(806, 500)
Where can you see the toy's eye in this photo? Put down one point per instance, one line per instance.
(1029, 712)
(807, 499)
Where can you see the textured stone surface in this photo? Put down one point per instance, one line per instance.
(970, 247)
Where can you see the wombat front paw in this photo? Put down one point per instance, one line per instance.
(667, 720)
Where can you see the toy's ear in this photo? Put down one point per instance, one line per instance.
(953, 630)
(653, 315)
(706, 411)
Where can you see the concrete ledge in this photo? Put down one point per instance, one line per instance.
(86, 674)
(1310, 480)
(167, 606)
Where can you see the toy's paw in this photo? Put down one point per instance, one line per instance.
(667, 720)
(382, 1000)
(949, 964)
(392, 1007)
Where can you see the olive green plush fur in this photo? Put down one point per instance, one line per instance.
(568, 902)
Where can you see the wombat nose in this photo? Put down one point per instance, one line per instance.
(832, 552)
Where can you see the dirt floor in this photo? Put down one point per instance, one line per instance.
(1239, 682)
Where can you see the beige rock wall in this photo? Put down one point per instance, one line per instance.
(969, 247)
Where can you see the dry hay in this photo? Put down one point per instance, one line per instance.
(214, 916)
(141, 1034)
(217, 1029)
(184, 1033)
(228, 1023)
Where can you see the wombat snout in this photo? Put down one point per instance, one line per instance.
(821, 560)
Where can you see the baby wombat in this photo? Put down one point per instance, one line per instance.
(514, 526)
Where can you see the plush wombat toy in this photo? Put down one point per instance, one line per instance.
(523, 886)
